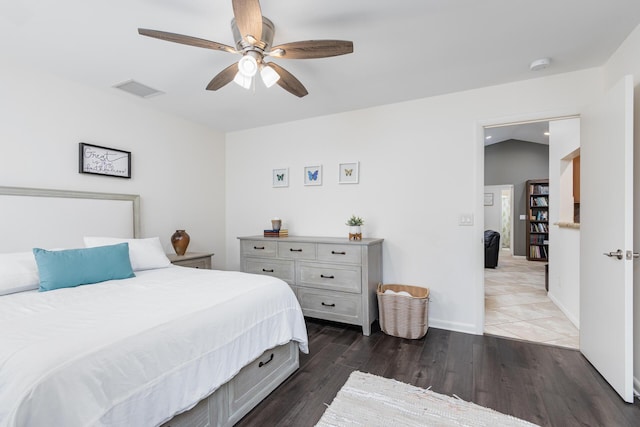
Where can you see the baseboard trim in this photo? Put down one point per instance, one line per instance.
(466, 328)
(571, 317)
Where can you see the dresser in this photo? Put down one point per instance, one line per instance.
(333, 278)
(192, 259)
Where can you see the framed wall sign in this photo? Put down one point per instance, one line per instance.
(99, 160)
(280, 177)
(313, 175)
(348, 173)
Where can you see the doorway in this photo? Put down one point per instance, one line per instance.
(498, 213)
(517, 304)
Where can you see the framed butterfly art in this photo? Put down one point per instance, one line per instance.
(280, 177)
(313, 175)
(349, 173)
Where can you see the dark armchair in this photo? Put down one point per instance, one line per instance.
(491, 248)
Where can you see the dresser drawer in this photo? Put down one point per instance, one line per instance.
(204, 263)
(254, 376)
(259, 248)
(282, 269)
(336, 306)
(297, 250)
(351, 254)
(329, 276)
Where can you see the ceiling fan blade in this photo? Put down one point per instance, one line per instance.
(188, 40)
(248, 19)
(223, 77)
(312, 49)
(287, 81)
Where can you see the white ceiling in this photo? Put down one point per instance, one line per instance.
(403, 50)
(529, 132)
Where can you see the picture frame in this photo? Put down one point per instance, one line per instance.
(488, 199)
(98, 160)
(349, 173)
(280, 177)
(313, 175)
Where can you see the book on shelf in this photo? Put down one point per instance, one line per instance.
(538, 252)
(539, 201)
(539, 227)
(539, 189)
(538, 215)
(276, 233)
(538, 239)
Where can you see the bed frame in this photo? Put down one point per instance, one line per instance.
(232, 401)
(56, 218)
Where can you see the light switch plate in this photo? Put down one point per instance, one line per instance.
(465, 219)
(523, 217)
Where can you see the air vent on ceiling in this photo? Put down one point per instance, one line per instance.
(138, 89)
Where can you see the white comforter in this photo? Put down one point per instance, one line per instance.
(135, 352)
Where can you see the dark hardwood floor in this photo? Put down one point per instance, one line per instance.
(549, 386)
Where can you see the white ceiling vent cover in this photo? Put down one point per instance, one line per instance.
(138, 89)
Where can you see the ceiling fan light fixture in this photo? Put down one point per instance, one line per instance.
(248, 66)
(269, 76)
(253, 36)
(242, 80)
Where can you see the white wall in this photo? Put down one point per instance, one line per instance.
(419, 171)
(177, 167)
(627, 61)
(564, 261)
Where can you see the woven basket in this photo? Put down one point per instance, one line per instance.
(404, 316)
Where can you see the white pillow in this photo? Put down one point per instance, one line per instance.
(18, 272)
(145, 254)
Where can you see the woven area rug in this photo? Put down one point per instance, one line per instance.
(369, 400)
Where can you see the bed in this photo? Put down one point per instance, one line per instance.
(171, 346)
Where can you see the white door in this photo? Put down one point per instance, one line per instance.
(606, 226)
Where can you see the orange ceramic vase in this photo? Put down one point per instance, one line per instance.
(180, 240)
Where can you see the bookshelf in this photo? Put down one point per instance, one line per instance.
(538, 219)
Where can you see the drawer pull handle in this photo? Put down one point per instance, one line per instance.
(267, 271)
(295, 250)
(327, 277)
(258, 248)
(328, 305)
(338, 253)
(261, 364)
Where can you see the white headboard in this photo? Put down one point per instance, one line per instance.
(33, 217)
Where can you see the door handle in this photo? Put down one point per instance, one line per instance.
(618, 254)
(632, 255)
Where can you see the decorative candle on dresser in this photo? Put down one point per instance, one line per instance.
(333, 278)
(192, 259)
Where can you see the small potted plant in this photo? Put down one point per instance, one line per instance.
(354, 224)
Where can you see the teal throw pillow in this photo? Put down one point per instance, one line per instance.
(75, 267)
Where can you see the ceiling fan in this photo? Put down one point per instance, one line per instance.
(253, 35)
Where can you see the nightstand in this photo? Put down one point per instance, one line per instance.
(192, 259)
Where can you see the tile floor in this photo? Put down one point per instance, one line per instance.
(516, 304)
